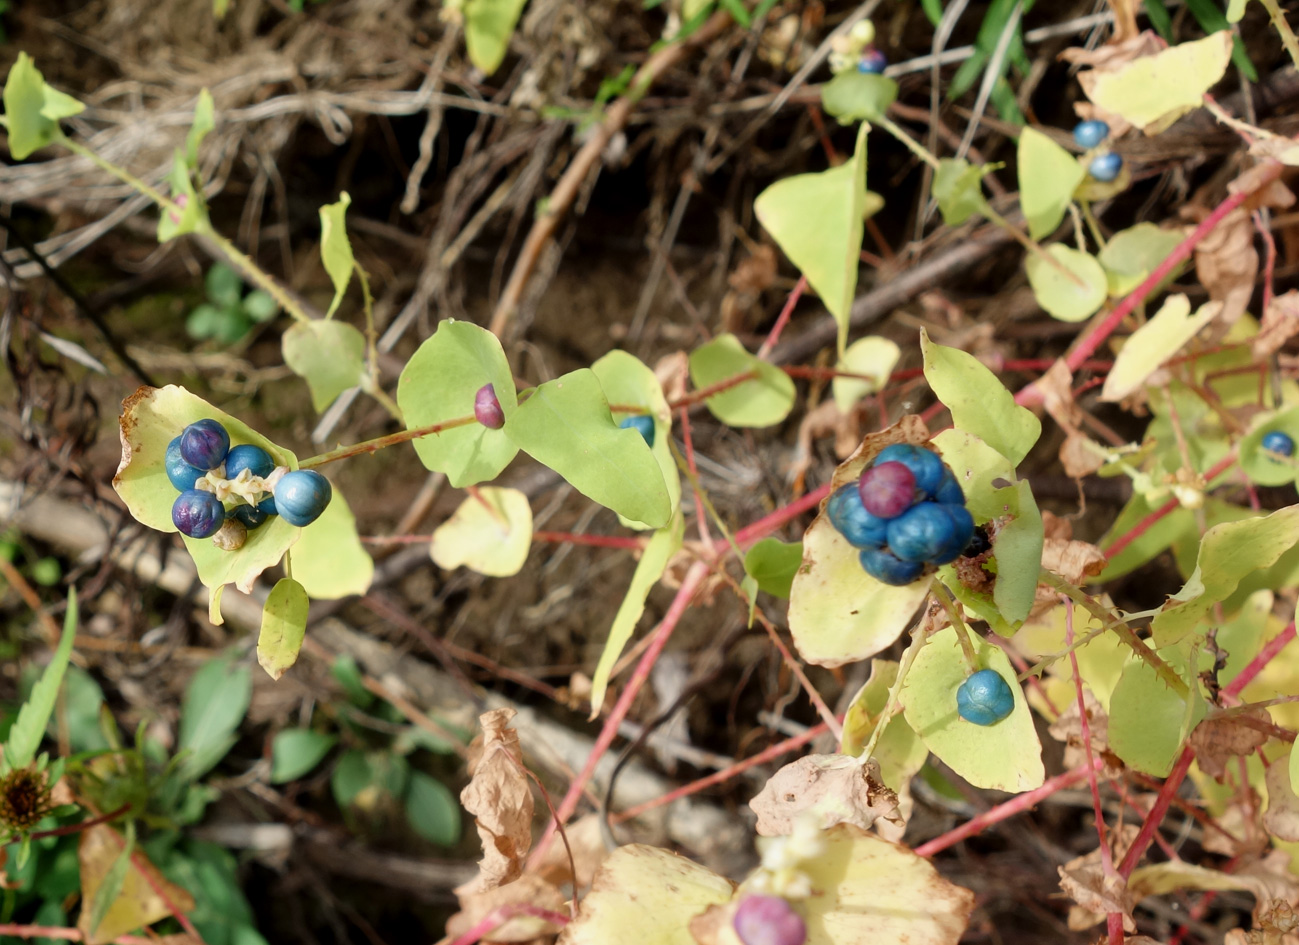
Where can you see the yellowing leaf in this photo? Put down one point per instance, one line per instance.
(1072, 288)
(873, 356)
(329, 560)
(1154, 91)
(328, 355)
(284, 624)
(137, 904)
(490, 533)
(1048, 175)
(1154, 343)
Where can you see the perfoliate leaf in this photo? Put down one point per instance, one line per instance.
(1154, 343)
(772, 564)
(817, 220)
(328, 355)
(1131, 255)
(489, 24)
(856, 96)
(873, 356)
(1154, 91)
(489, 533)
(958, 188)
(1071, 295)
(760, 402)
(1017, 550)
(976, 465)
(33, 109)
(284, 624)
(1048, 175)
(336, 248)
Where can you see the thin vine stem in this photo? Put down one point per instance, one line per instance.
(381, 442)
(919, 637)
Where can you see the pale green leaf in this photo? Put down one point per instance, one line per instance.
(1228, 553)
(872, 356)
(654, 561)
(1154, 91)
(1073, 288)
(1236, 10)
(899, 752)
(1154, 343)
(432, 810)
(25, 735)
(329, 560)
(1149, 721)
(216, 701)
(336, 248)
(566, 425)
(204, 121)
(489, 24)
(296, 752)
(490, 533)
(1006, 756)
(958, 188)
(284, 624)
(980, 404)
(439, 383)
(328, 355)
(762, 401)
(32, 108)
(1131, 255)
(1264, 468)
(1048, 175)
(1017, 551)
(976, 465)
(772, 564)
(173, 223)
(856, 96)
(817, 220)
(629, 382)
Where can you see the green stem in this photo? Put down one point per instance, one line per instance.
(1093, 224)
(918, 639)
(1032, 245)
(914, 146)
(944, 597)
(381, 442)
(125, 176)
(703, 497)
(1125, 633)
(1287, 35)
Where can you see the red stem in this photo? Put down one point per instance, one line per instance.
(1157, 812)
(498, 917)
(1144, 525)
(84, 825)
(783, 319)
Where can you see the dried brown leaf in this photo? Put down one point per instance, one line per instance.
(501, 801)
(839, 789)
(1217, 741)
(1280, 324)
(1075, 561)
(528, 889)
(1281, 819)
(589, 851)
(1083, 880)
(1227, 265)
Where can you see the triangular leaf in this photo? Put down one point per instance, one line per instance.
(1072, 288)
(335, 248)
(490, 533)
(489, 24)
(1154, 91)
(1048, 175)
(761, 402)
(328, 355)
(32, 108)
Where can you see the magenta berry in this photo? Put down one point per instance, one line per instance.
(768, 920)
(197, 514)
(887, 490)
(487, 409)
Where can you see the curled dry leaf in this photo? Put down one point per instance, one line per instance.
(1075, 561)
(1096, 896)
(1056, 386)
(140, 901)
(823, 420)
(586, 842)
(1068, 729)
(1227, 265)
(1280, 324)
(500, 799)
(839, 789)
(1217, 741)
(673, 372)
(527, 890)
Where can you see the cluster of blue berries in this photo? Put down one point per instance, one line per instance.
(1277, 442)
(242, 474)
(905, 513)
(1106, 165)
(984, 698)
(643, 424)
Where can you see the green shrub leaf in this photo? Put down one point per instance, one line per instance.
(296, 752)
(432, 810)
(284, 624)
(1048, 175)
(1149, 722)
(328, 355)
(1070, 296)
(958, 188)
(772, 564)
(215, 703)
(27, 731)
(762, 401)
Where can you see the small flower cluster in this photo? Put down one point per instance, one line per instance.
(906, 512)
(226, 491)
(854, 50)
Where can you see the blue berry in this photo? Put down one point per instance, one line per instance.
(252, 517)
(984, 698)
(872, 61)
(204, 444)
(643, 424)
(487, 408)
(253, 458)
(922, 532)
(1105, 167)
(949, 490)
(1089, 134)
(197, 514)
(301, 495)
(182, 474)
(924, 464)
(887, 569)
(768, 920)
(887, 489)
(962, 533)
(849, 516)
(1277, 442)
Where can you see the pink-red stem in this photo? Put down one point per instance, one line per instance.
(498, 917)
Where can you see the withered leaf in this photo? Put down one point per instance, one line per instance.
(839, 789)
(1217, 741)
(501, 801)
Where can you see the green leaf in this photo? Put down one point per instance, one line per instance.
(349, 676)
(215, 703)
(432, 810)
(328, 355)
(1153, 540)
(296, 752)
(856, 96)
(1154, 343)
(284, 624)
(34, 716)
(654, 561)
(1006, 756)
(1228, 553)
(224, 286)
(1048, 175)
(629, 382)
(172, 223)
(1071, 295)
(1154, 91)
(773, 564)
(976, 466)
(817, 220)
(336, 249)
(490, 533)
(1131, 255)
(351, 776)
(1149, 722)
(1235, 13)
(489, 24)
(763, 401)
(1017, 550)
(566, 425)
(1268, 469)
(873, 356)
(900, 753)
(204, 121)
(33, 109)
(206, 321)
(980, 404)
(439, 383)
(958, 188)
(329, 560)
(260, 306)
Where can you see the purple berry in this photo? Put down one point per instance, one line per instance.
(768, 920)
(487, 409)
(204, 444)
(924, 464)
(872, 61)
(197, 514)
(887, 489)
